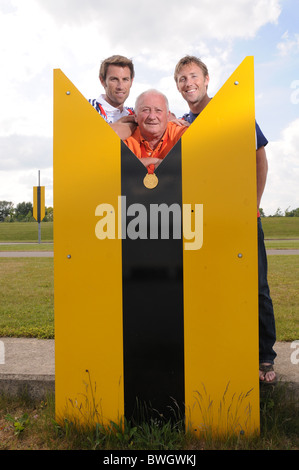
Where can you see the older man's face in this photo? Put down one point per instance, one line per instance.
(152, 115)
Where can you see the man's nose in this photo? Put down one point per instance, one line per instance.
(152, 115)
(188, 82)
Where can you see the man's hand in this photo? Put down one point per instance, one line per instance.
(151, 161)
(124, 127)
(179, 122)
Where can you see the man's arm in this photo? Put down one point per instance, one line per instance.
(261, 173)
(124, 127)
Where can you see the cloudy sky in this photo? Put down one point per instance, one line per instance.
(37, 36)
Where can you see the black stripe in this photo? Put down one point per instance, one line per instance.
(153, 319)
(38, 203)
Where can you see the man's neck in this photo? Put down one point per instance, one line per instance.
(114, 105)
(196, 108)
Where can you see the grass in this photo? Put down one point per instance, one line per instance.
(25, 232)
(274, 228)
(281, 227)
(284, 285)
(27, 297)
(27, 424)
(27, 247)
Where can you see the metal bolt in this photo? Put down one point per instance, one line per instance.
(240, 255)
(236, 83)
(68, 92)
(69, 256)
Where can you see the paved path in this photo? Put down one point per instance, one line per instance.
(26, 254)
(50, 254)
(30, 363)
(282, 252)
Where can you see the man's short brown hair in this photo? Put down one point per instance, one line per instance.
(187, 60)
(119, 61)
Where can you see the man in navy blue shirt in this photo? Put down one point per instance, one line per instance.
(192, 79)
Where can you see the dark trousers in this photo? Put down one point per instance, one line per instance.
(267, 331)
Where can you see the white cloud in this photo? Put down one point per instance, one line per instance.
(155, 24)
(18, 186)
(288, 45)
(37, 36)
(20, 152)
(283, 176)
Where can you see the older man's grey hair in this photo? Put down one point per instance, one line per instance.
(153, 91)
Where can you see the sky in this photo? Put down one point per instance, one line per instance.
(38, 36)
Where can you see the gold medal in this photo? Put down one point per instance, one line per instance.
(150, 180)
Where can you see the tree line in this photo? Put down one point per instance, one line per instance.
(23, 212)
(280, 213)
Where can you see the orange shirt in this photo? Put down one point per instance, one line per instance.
(141, 147)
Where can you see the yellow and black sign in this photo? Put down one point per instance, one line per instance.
(153, 316)
(39, 203)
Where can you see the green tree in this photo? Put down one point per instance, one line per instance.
(278, 213)
(6, 209)
(292, 213)
(49, 214)
(262, 213)
(22, 211)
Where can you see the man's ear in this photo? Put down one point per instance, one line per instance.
(102, 81)
(135, 117)
(207, 79)
(170, 116)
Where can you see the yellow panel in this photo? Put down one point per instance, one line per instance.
(220, 279)
(88, 279)
(35, 202)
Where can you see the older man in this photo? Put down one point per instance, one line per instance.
(155, 135)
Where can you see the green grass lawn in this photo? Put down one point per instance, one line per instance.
(25, 232)
(27, 291)
(284, 286)
(281, 227)
(27, 247)
(27, 296)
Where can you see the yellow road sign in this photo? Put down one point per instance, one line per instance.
(39, 203)
(154, 319)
